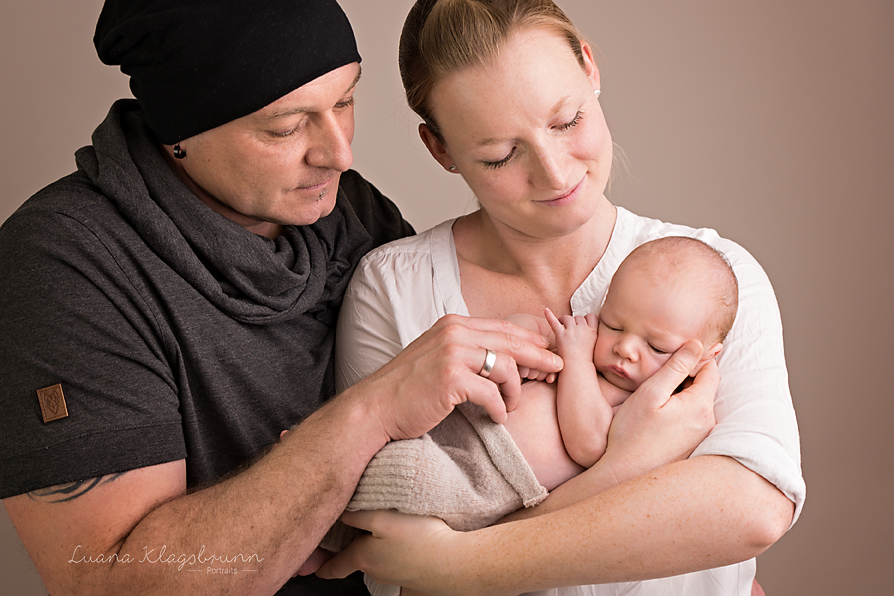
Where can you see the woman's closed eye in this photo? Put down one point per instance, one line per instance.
(345, 103)
(502, 162)
(571, 123)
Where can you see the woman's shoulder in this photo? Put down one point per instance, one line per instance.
(414, 274)
(412, 250)
(637, 229)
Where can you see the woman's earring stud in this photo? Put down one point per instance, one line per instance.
(452, 168)
(597, 92)
(179, 153)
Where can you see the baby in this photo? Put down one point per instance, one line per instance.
(666, 292)
(470, 471)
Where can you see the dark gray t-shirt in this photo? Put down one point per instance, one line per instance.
(173, 332)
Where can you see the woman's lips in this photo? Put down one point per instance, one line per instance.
(566, 198)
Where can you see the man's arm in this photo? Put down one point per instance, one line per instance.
(130, 534)
(117, 535)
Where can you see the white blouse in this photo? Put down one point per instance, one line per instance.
(401, 289)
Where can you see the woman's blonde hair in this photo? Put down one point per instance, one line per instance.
(442, 36)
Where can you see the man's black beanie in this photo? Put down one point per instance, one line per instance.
(197, 64)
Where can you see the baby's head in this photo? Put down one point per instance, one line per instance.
(666, 292)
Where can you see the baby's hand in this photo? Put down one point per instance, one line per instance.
(575, 336)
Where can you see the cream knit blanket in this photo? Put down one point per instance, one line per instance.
(467, 471)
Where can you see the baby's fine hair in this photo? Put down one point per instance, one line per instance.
(699, 263)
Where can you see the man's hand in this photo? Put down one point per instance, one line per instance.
(441, 369)
(537, 325)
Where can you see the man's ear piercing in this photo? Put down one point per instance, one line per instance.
(178, 152)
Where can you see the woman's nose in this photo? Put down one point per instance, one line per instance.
(547, 168)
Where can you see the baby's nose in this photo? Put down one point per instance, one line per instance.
(625, 349)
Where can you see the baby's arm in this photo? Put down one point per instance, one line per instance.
(583, 412)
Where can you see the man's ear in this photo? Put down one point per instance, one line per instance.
(707, 355)
(435, 147)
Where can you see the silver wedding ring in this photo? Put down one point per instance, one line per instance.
(489, 359)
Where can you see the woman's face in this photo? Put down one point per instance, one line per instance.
(527, 133)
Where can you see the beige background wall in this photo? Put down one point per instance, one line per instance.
(769, 121)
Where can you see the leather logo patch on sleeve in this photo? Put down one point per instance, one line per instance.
(52, 403)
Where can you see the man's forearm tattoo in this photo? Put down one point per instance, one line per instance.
(72, 490)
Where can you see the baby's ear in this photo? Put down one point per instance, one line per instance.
(707, 355)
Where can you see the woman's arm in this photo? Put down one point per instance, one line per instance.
(399, 549)
(661, 524)
(695, 514)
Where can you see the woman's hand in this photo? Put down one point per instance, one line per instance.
(656, 426)
(313, 562)
(652, 428)
(442, 369)
(397, 544)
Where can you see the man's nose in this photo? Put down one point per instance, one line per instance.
(330, 145)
